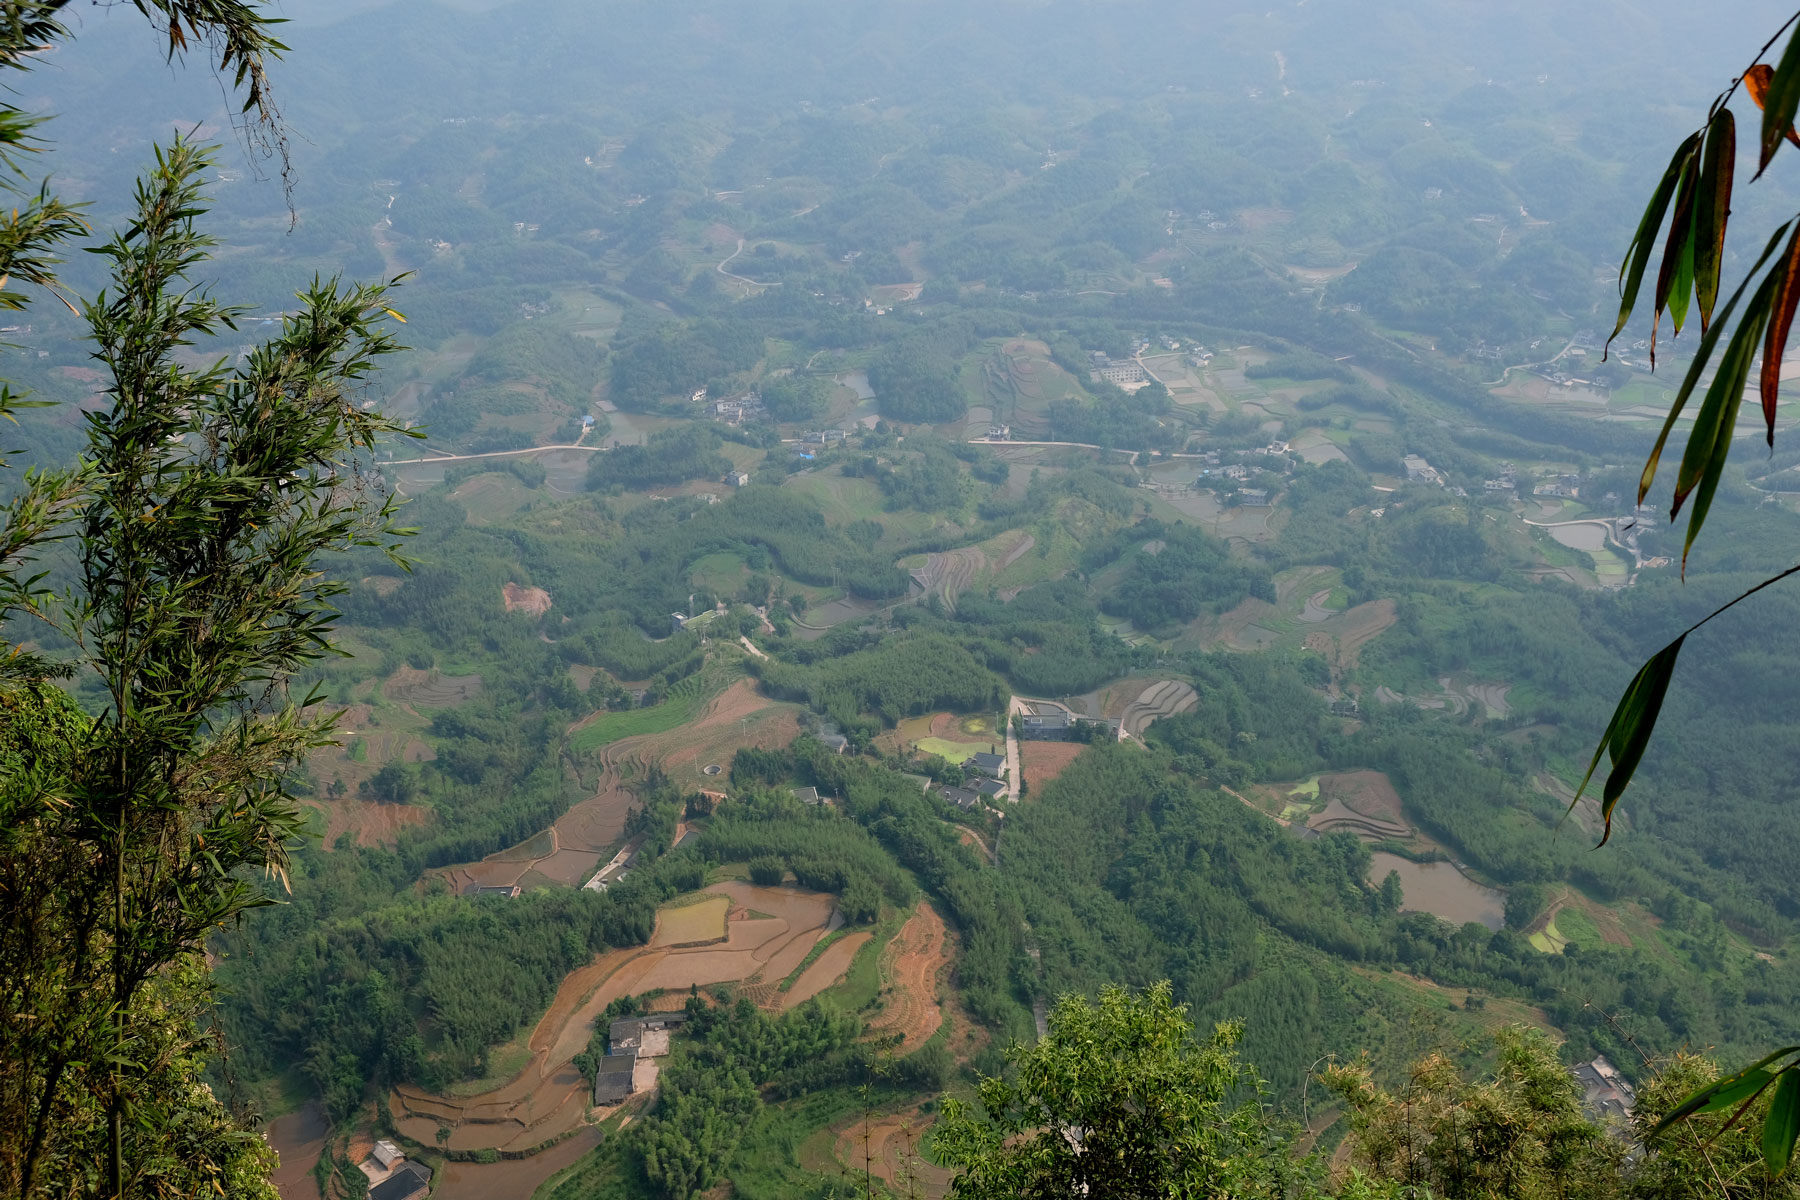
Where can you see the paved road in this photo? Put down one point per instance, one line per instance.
(1012, 751)
(450, 458)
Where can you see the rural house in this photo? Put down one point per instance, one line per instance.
(958, 797)
(1605, 1092)
(612, 1078)
(807, 795)
(991, 788)
(989, 764)
(1046, 727)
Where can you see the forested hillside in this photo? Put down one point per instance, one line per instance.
(925, 510)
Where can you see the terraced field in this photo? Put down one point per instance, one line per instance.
(409, 686)
(548, 1097)
(1164, 698)
(949, 573)
(737, 716)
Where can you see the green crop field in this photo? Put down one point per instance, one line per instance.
(634, 722)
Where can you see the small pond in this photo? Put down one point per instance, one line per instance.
(1441, 890)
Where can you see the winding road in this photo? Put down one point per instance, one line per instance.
(741, 279)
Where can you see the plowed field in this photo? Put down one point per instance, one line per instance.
(1043, 761)
(825, 970)
(549, 1096)
(912, 967)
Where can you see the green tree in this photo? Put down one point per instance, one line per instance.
(207, 498)
(1520, 1133)
(1120, 1100)
(1392, 893)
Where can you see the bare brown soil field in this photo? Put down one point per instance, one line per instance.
(912, 966)
(1040, 762)
(717, 732)
(540, 860)
(509, 1179)
(533, 601)
(372, 824)
(788, 957)
(429, 689)
(298, 1137)
(890, 1146)
(1357, 627)
(738, 716)
(1338, 817)
(1369, 793)
(549, 1096)
(825, 970)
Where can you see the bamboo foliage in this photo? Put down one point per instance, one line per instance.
(196, 523)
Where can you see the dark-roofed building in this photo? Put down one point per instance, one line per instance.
(991, 788)
(807, 795)
(1050, 726)
(612, 1078)
(958, 797)
(989, 764)
(1605, 1092)
(409, 1181)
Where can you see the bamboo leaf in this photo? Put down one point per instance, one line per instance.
(1709, 442)
(1712, 210)
(1721, 1093)
(1780, 100)
(1637, 255)
(1675, 279)
(1756, 82)
(1782, 1125)
(1781, 320)
(1629, 733)
(1708, 342)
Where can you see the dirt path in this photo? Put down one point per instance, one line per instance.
(969, 837)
